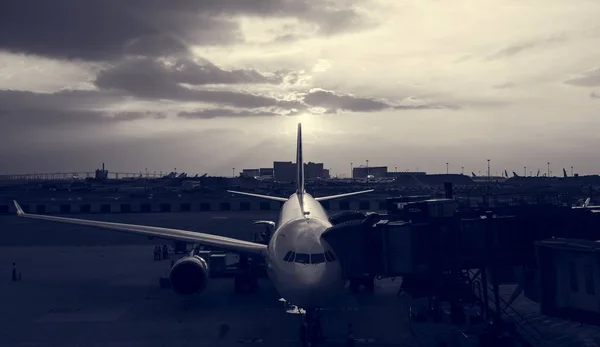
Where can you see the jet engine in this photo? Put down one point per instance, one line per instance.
(189, 275)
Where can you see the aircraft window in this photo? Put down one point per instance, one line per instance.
(317, 258)
(302, 258)
(288, 256)
(331, 256)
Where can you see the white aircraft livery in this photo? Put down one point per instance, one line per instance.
(303, 267)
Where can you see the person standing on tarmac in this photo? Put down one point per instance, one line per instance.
(304, 333)
(165, 252)
(350, 339)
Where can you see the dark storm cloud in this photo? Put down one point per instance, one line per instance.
(588, 79)
(594, 95)
(64, 100)
(331, 100)
(29, 109)
(104, 30)
(223, 112)
(100, 30)
(181, 70)
(153, 79)
(334, 102)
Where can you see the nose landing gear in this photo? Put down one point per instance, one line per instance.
(311, 332)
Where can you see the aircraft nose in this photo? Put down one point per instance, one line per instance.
(311, 285)
(310, 276)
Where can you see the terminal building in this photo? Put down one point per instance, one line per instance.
(285, 171)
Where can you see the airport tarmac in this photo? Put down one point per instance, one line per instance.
(94, 287)
(83, 286)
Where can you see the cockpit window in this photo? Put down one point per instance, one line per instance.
(317, 258)
(302, 258)
(289, 255)
(329, 256)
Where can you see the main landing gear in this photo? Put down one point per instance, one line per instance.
(245, 280)
(368, 282)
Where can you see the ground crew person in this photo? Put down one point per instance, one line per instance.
(165, 252)
(303, 333)
(350, 339)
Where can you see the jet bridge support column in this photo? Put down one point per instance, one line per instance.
(484, 289)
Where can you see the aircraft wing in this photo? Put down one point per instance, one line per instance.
(331, 197)
(226, 243)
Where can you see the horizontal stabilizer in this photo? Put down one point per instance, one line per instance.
(268, 197)
(331, 197)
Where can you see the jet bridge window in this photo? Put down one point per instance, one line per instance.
(302, 258)
(317, 258)
(289, 256)
(329, 256)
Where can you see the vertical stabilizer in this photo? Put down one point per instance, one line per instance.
(299, 163)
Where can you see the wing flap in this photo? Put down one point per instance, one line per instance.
(226, 243)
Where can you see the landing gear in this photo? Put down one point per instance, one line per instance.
(367, 282)
(311, 331)
(245, 280)
(245, 283)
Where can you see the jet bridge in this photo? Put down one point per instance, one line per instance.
(456, 256)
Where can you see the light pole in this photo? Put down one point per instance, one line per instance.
(571, 171)
(525, 171)
(233, 172)
(548, 169)
(462, 170)
(446, 168)
(489, 175)
(351, 170)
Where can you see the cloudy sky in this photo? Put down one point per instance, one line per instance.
(207, 85)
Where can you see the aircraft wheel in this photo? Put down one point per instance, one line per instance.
(238, 286)
(245, 284)
(354, 286)
(370, 285)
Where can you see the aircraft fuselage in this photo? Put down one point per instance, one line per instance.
(308, 280)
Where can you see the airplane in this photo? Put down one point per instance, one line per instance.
(586, 204)
(304, 269)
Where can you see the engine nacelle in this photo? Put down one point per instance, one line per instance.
(189, 275)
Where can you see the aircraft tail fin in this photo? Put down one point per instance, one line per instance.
(299, 163)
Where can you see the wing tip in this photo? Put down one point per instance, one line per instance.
(18, 208)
